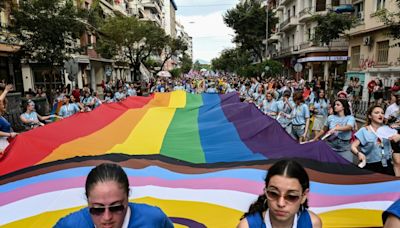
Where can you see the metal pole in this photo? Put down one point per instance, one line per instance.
(266, 37)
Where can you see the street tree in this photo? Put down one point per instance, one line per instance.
(331, 26)
(127, 39)
(47, 31)
(391, 18)
(231, 60)
(248, 20)
(187, 63)
(174, 47)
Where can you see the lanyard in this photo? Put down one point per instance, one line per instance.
(381, 142)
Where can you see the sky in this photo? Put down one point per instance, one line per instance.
(203, 21)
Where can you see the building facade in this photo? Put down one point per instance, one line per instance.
(293, 40)
(372, 52)
(10, 69)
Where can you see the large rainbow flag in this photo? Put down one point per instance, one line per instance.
(201, 158)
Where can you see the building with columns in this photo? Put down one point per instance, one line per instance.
(293, 42)
(372, 53)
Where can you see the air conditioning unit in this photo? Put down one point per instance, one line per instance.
(360, 15)
(367, 41)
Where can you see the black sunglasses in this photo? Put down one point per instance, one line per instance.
(100, 210)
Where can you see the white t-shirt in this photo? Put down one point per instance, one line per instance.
(391, 111)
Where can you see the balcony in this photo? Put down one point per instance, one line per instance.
(152, 17)
(289, 23)
(305, 14)
(152, 4)
(284, 2)
(286, 50)
(273, 38)
(335, 45)
(284, 23)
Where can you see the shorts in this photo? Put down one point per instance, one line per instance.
(298, 131)
(342, 147)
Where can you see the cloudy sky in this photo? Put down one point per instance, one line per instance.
(203, 21)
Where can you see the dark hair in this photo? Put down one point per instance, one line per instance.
(286, 168)
(107, 172)
(369, 112)
(317, 98)
(345, 105)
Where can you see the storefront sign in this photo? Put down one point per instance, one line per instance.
(323, 59)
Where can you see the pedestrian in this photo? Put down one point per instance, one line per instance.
(301, 118)
(284, 202)
(107, 194)
(339, 127)
(369, 148)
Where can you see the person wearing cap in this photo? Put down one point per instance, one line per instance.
(31, 119)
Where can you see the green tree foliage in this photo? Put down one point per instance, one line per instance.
(174, 48)
(235, 60)
(331, 26)
(126, 39)
(391, 18)
(47, 30)
(231, 60)
(248, 20)
(187, 64)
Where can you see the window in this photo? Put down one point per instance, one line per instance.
(89, 40)
(383, 52)
(288, 14)
(294, 10)
(380, 4)
(359, 11)
(293, 39)
(321, 5)
(309, 34)
(335, 2)
(355, 57)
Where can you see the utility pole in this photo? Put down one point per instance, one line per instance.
(266, 31)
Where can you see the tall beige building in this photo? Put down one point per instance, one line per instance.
(371, 51)
(293, 42)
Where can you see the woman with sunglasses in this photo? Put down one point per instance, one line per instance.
(107, 193)
(284, 202)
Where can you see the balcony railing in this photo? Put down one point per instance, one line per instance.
(305, 45)
(286, 50)
(284, 23)
(305, 11)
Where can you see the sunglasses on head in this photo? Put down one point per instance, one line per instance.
(274, 195)
(100, 210)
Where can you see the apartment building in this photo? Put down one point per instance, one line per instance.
(293, 42)
(371, 51)
(185, 36)
(10, 69)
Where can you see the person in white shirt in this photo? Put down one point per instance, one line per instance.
(392, 112)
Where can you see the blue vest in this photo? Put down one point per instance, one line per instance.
(394, 209)
(142, 215)
(257, 221)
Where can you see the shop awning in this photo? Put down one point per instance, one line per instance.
(323, 59)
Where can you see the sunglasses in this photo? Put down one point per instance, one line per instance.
(274, 195)
(100, 210)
